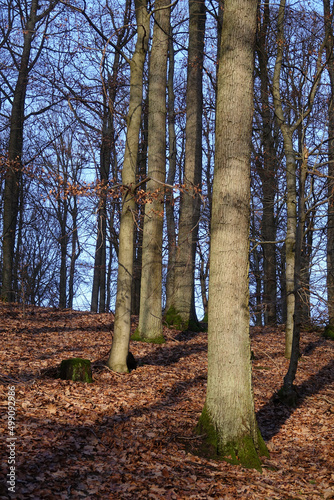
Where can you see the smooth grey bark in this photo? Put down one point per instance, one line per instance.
(228, 417)
(288, 392)
(122, 325)
(183, 300)
(150, 313)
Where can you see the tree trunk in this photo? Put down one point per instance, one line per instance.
(267, 174)
(62, 217)
(291, 197)
(122, 325)
(138, 228)
(190, 200)
(99, 280)
(288, 392)
(150, 314)
(288, 130)
(228, 417)
(75, 252)
(330, 189)
(13, 173)
(169, 200)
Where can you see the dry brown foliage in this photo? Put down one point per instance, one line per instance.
(131, 436)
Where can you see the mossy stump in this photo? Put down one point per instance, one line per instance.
(76, 369)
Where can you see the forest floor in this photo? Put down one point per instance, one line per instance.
(131, 436)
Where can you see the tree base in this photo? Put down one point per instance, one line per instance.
(242, 451)
(329, 332)
(76, 369)
(174, 319)
(289, 397)
(152, 340)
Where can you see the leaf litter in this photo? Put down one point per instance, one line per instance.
(132, 436)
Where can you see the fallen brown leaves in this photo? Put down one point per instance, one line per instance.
(131, 436)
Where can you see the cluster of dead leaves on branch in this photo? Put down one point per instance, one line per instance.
(131, 436)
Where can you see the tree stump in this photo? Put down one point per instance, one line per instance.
(76, 369)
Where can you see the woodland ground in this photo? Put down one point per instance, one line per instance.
(131, 436)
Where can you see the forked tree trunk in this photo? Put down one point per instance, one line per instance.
(122, 325)
(228, 417)
(150, 313)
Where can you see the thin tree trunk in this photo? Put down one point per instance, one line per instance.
(288, 392)
(291, 170)
(74, 253)
(150, 314)
(169, 200)
(122, 326)
(190, 200)
(62, 217)
(330, 189)
(267, 173)
(13, 173)
(138, 228)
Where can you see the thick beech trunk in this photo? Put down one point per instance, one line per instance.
(228, 418)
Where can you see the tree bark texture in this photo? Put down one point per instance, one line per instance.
(122, 325)
(228, 417)
(150, 313)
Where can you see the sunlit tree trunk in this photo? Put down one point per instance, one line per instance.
(190, 200)
(122, 325)
(150, 313)
(288, 392)
(228, 417)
